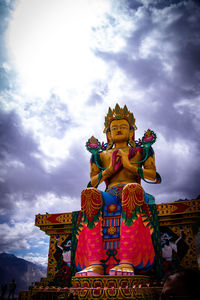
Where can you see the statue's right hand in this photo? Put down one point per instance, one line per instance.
(108, 172)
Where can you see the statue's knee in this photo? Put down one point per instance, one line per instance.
(132, 193)
(132, 187)
(92, 197)
(88, 192)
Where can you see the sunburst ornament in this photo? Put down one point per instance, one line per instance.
(119, 113)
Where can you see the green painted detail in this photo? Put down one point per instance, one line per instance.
(146, 147)
(125, 110)
(156, 242)
(146, 153)
(138, 210)
(110, 112)
(132, 118)
(140, 172)
(117, 108)
(95, 219)
(75, 230)
(151, 199)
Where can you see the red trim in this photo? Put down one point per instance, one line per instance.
(180, 207)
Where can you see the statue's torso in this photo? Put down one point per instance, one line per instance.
(123, 175)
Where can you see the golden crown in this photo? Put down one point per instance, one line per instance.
(119, 113)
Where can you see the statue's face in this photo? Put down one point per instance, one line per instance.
(120, 130)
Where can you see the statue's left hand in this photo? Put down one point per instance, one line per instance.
(126, 163)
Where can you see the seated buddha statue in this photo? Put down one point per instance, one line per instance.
(115, 228)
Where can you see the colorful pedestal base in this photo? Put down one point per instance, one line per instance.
(117, 287)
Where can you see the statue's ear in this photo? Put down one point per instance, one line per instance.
(108, 136)
(132, 138)
(109, 140)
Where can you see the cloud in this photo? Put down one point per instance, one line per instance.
(19, 167)
(24, 176)
(52, 114)
(36, 258)
(174, 161)
(25, 240)
(94, 98)
(161, 57)
(5, 72)
(16, 236)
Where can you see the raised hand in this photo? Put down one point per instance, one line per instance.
(109, 171)
(126, 163)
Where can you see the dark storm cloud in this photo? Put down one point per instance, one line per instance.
(177, 44)
(169, 73)
(177, 38)
(73, 175)
(22, 171)
(24, 176)
(14, 142)
(134, 4)
(139, 69)
(180, 176)
(185, 36)
(183, 83)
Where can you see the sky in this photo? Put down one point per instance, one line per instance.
(62, 64)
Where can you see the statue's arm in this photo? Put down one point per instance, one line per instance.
(95, 173)
(149, 169)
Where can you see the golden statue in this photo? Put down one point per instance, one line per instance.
(115, 226)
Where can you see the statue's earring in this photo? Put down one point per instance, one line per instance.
(109, 140)
(131, 141)
(110, 145)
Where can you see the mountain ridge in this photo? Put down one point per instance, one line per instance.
(22, 271)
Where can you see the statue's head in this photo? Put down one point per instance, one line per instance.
(119, 119)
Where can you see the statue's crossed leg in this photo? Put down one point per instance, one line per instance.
(135, 248)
